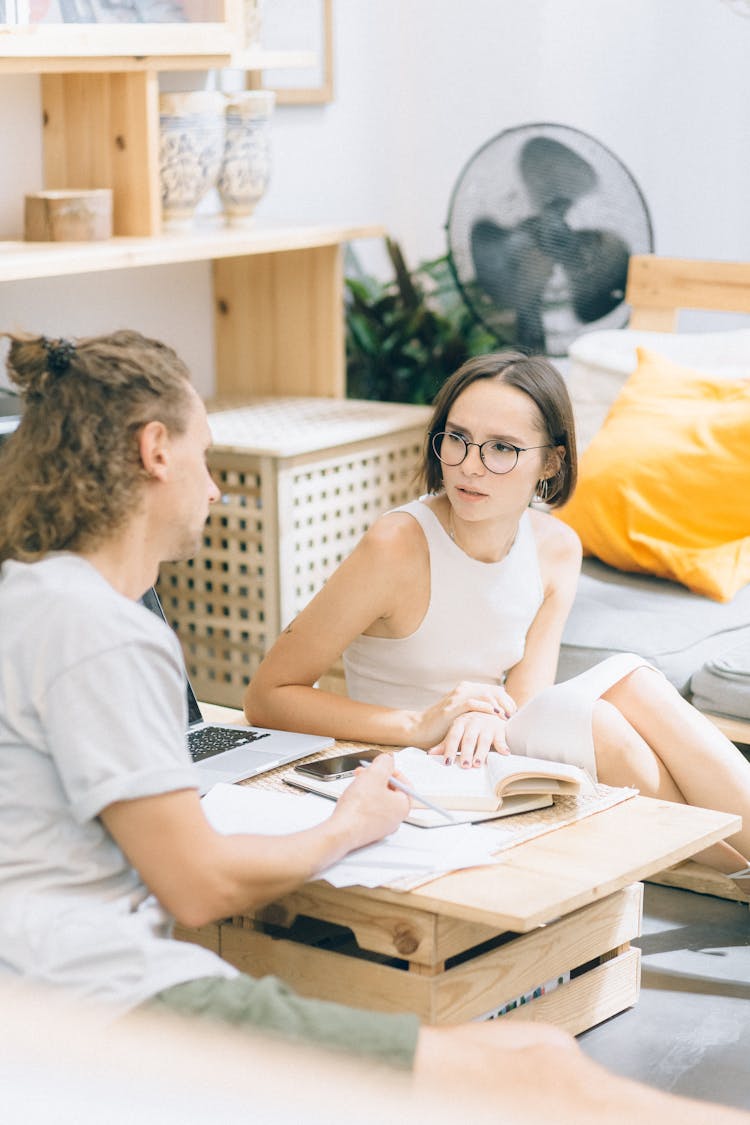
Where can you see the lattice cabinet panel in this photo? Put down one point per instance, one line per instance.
(301, 480)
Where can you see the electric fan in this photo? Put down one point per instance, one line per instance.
(541, 224)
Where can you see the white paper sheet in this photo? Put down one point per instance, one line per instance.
(407, 852)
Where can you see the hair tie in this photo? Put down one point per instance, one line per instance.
(59, 354)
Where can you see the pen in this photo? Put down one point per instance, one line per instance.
(396, 784)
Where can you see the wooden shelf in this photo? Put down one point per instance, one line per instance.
(42, 43)
(277, 296)
(30, 59)
(20, 261)
(255, 59)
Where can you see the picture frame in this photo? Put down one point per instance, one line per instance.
(100, 12)
(299, 25)
(92, 29)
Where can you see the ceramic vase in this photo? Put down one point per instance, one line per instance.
(191, 144)
(252, 23)
(246, 167)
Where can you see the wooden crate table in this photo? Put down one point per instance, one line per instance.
(464, 945)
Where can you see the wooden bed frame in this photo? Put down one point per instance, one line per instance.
(658, 288)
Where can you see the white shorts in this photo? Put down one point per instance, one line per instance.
(557, 723)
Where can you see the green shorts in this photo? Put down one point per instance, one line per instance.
(269, 1005)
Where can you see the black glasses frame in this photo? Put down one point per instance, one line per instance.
(437, 435)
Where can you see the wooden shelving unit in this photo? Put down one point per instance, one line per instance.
(20, 261)
(277, 292)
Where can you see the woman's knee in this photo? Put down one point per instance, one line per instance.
(643, 686)
(616, 743)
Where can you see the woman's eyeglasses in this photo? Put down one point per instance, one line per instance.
(497, 456)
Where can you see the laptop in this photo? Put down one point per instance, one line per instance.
(226, 753)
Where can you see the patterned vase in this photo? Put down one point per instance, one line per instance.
(252, 20)
(246, 167)
(191, 144)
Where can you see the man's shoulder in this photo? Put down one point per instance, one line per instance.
(64, 596)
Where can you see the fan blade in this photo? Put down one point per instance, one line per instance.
(596, 262)
(553, 173)
(513, 271)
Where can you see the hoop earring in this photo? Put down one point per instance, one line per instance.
(543, 490)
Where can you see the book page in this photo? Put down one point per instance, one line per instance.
(450, 786)
(515, 773)
(456, 786)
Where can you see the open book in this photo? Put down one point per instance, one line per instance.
(504, 786)
(488, 787)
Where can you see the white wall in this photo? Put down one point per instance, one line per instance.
(420, 85)
(665, 84)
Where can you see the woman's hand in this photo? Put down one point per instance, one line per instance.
(369, 806)
(466, 697)
(471, 737)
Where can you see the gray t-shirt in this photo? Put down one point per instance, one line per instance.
(92, 711)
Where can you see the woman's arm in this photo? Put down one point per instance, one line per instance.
(383, 588)
(559, 550)
(368, 587)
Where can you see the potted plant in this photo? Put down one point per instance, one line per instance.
(404, 336)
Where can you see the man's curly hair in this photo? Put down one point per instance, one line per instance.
(71, 471)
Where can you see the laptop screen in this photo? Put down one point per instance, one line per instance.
(10, 412)
(151, 601)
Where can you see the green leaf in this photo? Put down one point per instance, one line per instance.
(405, 335)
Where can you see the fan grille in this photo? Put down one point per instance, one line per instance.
(541, 224)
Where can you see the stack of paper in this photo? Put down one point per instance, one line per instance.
(408, 852)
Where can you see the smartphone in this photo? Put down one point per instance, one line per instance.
(342, 765)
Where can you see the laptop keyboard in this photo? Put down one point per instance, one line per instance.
(208, 741)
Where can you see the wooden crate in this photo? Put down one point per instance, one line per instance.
(301, 480)
(469, 943)
(208, 936)
(349, 949)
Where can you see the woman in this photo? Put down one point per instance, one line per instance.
(450, 611)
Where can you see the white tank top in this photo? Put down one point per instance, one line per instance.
(474, 629)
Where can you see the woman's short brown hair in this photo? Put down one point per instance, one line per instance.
(545, 386)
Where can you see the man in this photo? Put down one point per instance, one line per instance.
(105, 478)
(102, 837)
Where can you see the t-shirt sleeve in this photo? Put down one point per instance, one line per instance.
(116, 723)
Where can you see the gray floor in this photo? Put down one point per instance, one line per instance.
(690, 1031)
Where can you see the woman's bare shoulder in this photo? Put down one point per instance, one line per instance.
(395, 536)
(556, 542)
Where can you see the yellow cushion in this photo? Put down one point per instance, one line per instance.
(664, 487)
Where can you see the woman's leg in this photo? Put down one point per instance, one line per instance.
(646, 734)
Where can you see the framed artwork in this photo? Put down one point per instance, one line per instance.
(111, 11)
(101, 11)
(102, 28)
(299, 25)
